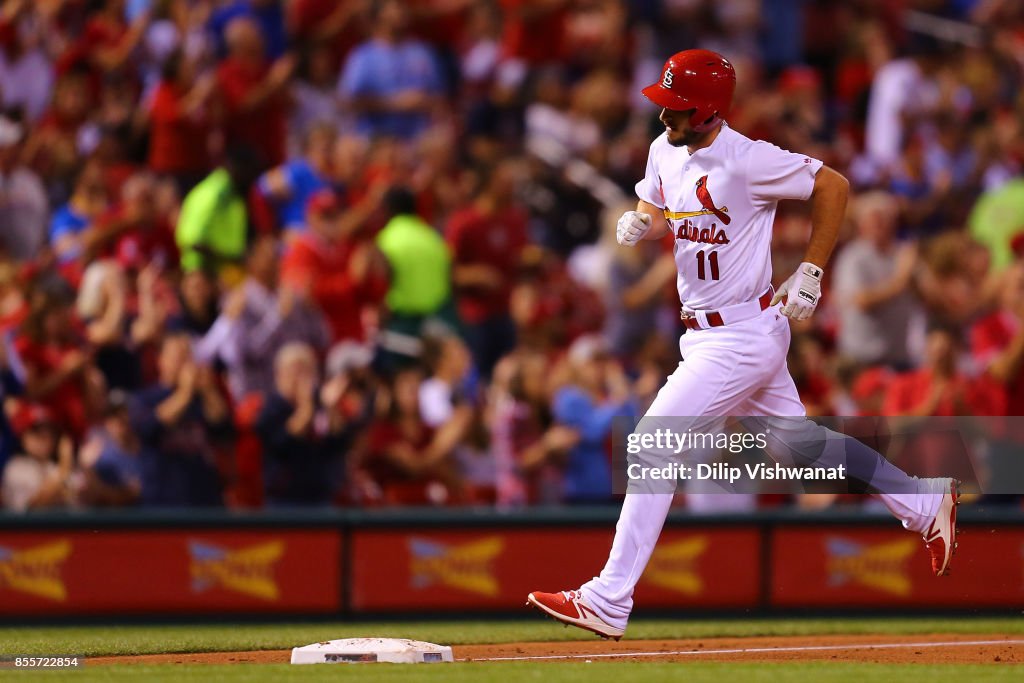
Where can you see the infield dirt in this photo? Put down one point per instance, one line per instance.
(888, 649)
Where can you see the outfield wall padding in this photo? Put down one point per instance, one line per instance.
(431, 563)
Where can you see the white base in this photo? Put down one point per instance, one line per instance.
(363, 650)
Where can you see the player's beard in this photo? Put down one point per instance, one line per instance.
(685, 138)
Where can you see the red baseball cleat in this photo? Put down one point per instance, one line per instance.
(570, 608)
(940, 539)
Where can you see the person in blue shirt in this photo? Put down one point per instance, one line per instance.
(921, 196)
(391, 82)
(290, 185)
(69, 223)
(594, 393)
(115, 478)
(267, 13)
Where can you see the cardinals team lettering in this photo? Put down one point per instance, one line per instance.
(666, 81)
(688, 231)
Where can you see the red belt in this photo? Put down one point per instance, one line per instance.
(715, 318)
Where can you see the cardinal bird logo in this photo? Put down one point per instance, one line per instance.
(704, 197)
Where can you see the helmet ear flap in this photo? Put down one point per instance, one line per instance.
(705, 119)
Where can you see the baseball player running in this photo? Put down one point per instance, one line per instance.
(718, 191)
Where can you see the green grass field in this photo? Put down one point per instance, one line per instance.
(126, 640)
(607, 672)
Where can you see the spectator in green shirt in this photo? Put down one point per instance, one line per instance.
(998, 217)
(213, 225)
(420, 265)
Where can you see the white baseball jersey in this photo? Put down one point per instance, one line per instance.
(720, 203)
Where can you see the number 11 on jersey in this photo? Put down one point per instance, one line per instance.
(712, 259)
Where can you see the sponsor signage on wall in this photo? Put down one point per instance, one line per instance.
(837, 566)
(495, 569)
(169, 571)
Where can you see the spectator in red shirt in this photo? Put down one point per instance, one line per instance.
(997, 340)
(487, 239)
(869, 390)
(179, 124)
(408, 460)
(343, 274)
(253, 92)
(549, 307)
(59, 371)
(134, 227)
(997, 344)
(106, 44)
(940, 389)
(440, 22)
(338, 24)
(535, 30)
(52, 148)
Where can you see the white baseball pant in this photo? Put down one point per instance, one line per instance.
(737, 369)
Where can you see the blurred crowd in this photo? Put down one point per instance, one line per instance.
(361, 252)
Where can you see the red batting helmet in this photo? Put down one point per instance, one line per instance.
(696, 79)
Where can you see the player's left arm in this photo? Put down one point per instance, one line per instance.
(802, 290)
(828, 206)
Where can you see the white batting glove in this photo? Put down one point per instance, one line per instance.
(802, 292)
(632, 227)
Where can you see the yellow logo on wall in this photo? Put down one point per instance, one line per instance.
(466, 567)
(36, 570)
(881, 566)
(674, 566)
(245, 570)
